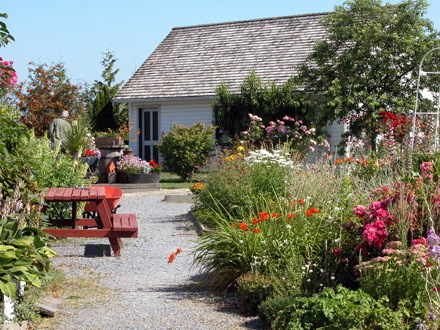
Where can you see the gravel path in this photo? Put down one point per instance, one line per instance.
(146, 292)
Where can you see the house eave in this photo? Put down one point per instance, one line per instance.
(162, 99)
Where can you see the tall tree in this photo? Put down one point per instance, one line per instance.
(106, 115)
(47, 93)
(368, 62)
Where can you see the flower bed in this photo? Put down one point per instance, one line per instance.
(282, 227)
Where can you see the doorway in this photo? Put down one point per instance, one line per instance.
(149, 119)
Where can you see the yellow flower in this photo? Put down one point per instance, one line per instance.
(240, 148)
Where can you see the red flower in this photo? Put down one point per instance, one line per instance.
(336, 252)
(172, 257)
(178, 251)
(234, 225)
(301, 201)
(264, 216)
(314, 210)
(309, 213)
(290, 215)
(256, 230)
(243, 226)
(152, 163)
(275, 215)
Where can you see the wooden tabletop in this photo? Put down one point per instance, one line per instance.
(74, 194)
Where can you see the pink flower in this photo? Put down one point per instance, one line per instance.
(336, 252)
(360, 210)
(381, 213)
(311, 149)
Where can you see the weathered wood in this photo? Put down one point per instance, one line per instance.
(49, 305)
(125, 225)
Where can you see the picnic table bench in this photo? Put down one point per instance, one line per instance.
(114, 226)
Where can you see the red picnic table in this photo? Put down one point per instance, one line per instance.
(106, 224)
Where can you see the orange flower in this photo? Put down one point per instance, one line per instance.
(292, 203)
(243, 226)
(256, 230)
(234, 225)
(275, 215)
(301, 201)
(314, 210)
(290, 215)
(172, 257)
(309, 213)
(254, 221)
(178, 251)
(264, 216)
(338, 161)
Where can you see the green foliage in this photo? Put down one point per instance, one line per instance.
(184, 149)
(52, 168)
(332, 310)
(24, 255)
(106, 115)
(77, 139)
(5, 36)
(400, 279)
(368, 62)
(266, 100)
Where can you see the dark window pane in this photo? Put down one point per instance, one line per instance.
(155, 125)
(155, 153)
(147, 153)
(147, 126)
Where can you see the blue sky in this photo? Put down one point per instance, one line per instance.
(77, 32)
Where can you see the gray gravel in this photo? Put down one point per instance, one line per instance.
(147, 292)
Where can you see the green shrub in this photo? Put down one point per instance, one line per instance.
(332, 310)
(184, 149)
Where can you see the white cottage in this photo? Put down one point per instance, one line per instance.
(177, 82)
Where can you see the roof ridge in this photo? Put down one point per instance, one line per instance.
(249, 20)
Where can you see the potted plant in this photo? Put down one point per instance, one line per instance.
(128, 150)
(138, 170)
(108, 139)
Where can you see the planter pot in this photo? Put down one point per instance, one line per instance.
(108, 141)
(129, 152)
(144, 178)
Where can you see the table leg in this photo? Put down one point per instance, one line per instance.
(74, 209)
(116, 244)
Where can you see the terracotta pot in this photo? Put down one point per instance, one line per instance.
(128, 152)
(144, 178)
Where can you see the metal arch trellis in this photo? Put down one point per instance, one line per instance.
(416, 114)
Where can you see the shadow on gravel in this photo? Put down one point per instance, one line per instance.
(97, 250)
(223, 301)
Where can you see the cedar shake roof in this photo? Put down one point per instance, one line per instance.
(192, 61)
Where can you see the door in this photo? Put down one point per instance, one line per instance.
(150, 134)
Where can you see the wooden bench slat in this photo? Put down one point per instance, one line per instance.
(125, 224)
(109, 233)
(133, 223)
(116, 219)
(67, 194)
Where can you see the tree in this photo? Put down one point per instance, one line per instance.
(266, 100)
(45, 96)
(368, 62)
(5, 36)
(106, 115)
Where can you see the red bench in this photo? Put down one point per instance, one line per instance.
(112, 226)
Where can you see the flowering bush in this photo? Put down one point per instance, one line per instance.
(92, 153)
(132, 165)
(155, 167)
(288, 130)
(8, 76)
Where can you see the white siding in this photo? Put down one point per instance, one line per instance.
(185, 113)
(335, 131)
